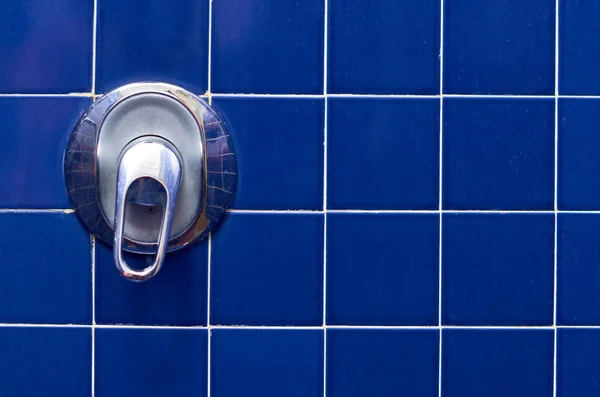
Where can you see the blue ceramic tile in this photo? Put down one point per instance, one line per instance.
(45, 362)
(578, 269)
(268, 46)
(151, 362)
(498, 154)
(383, 363)
(578, 42)
(577, 358)
(382, 269)
(384, 47)
(383, 153)
(177, 295)
(578, 148)
(52, 282)
(499, 47)
(267, 269)
(35, 132)
(279, 150)
(498, 269)
(497, 363)
(46, 46)
(140, 40)
(266, 363)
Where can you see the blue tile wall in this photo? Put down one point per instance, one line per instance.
(417, 211)
(371, 41)
(497, 363)
(354, 353)
(128, 362)
(272, 362)
(497, 269)
(499, 47)
(577, 352)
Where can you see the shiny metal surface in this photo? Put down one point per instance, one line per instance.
(151, 114)
(212, 175)
(147, 158)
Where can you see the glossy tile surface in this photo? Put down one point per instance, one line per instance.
(498, 154)
(578, 270)
(579, 145)
(578, 353)
(268, 46)
(499, 47)
(45, 361)
(497, 269)
(392, 260)
(579, 53)
(266, 363)
(406, 362)
(270, 276)
(384, 47)
(153, 40)
(46, 47)
(35, 131)
(150, 362)
(48, 284)
(176, 296)
(497, 363)
(401, 172)
(279, 151)
(383, 153)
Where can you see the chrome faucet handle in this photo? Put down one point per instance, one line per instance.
(146, 158)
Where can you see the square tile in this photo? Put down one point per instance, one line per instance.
(151, 362)
(497, 269)
(578, 148)
(578, 267)
(382, 269)
(51, 284)
(268, 46)
(45, 361)
(383, 362)
(163, 41)
(578, 42)
(499, 47)
(46, 46)
(31, 158)
(177, 295)
(577, 357)
(383, 153)
(279, 151)
(497, 363)
(266, 363)
(384, 47)
(498, 154)
(267, 269)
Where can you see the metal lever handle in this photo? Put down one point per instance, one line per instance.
(146, 159)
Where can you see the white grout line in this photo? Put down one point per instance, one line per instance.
(318, 96)
(94, 38)
(440, 198)
(93, 330)
(304, 96)
(70, 95)
(556, 90)
(92, 239)
(294, 327)
(325, 121)
(209, 242)
(208, 326)
(36, 211)
(210, 13)
(331, 211)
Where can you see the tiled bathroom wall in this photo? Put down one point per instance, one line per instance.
(417, 212)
